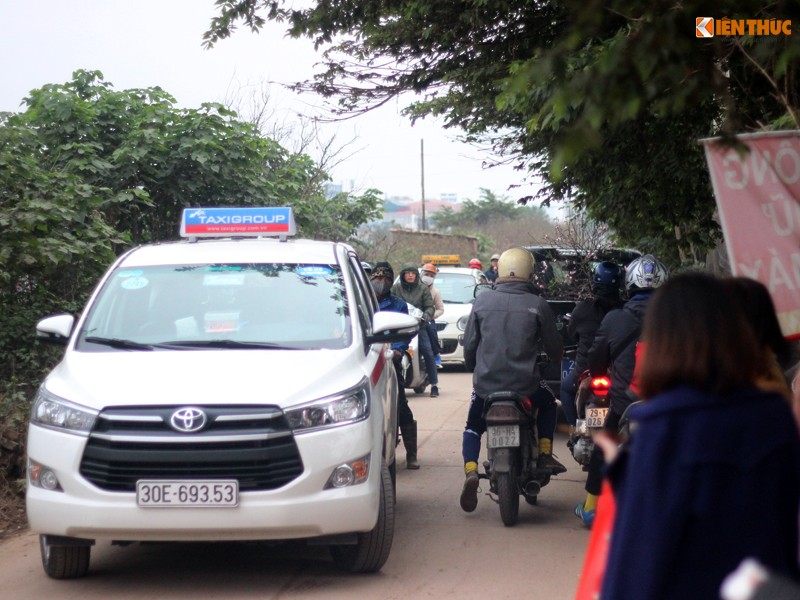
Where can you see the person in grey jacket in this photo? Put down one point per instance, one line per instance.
(410, 288)
(508, 326)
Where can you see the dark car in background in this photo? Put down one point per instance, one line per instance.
(564, 277)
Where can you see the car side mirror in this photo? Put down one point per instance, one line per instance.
(55, 330)
(481, 288)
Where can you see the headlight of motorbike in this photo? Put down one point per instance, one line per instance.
(462, 323)
(56, 413)
(349, 407)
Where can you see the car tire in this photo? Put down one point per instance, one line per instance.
(393, 475)
(371, 551)
(64, 562)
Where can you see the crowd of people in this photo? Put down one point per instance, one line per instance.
(707, 486)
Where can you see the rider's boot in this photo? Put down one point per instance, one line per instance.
(546, 459)
(469, 492)
(409, 435)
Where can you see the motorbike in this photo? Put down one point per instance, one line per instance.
(412, 364)
(592, 407)
(512, 451)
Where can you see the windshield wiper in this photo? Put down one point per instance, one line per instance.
(224, 344)
(118, 343)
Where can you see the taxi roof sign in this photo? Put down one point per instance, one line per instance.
(275, 221)
(442, 259)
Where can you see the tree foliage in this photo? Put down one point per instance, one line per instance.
(592, 97)
(87, 171)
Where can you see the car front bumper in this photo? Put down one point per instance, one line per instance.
(300, 509)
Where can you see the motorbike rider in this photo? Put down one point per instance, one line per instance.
(427, 277)
(584, 323)
(613, 353)
(381, 279)
(507, 328)
(410, 288)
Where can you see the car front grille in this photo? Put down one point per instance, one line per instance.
(252, 444)
(441, 326)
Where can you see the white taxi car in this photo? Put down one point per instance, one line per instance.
(220, 389)
(457, 286)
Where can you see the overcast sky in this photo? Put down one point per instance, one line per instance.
(146, 43)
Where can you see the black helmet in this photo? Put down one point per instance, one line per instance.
(607, 273)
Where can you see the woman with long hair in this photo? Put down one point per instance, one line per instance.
(711, 474)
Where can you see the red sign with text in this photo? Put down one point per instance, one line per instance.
(758, 197)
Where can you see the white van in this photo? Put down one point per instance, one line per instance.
(236, 388)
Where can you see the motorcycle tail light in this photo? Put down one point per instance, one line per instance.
(502, 413)
(600, 386)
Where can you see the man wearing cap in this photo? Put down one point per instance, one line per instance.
(381, 279)
(428, 276)
(491, 272)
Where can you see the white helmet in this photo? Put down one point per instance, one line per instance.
(646, 272)
(516, 262)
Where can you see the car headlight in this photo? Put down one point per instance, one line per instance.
(348, 407)
(54, 412)
(462, 323)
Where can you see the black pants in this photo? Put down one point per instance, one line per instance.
(404, 414)
(594, 478)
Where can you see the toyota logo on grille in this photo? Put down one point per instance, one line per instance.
(188, 420)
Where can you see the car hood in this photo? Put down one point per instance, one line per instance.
(203, 377)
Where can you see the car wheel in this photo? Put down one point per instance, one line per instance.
(393, 475)
(64, 562)
(371, 551)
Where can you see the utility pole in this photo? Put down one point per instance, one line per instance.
(422, 179)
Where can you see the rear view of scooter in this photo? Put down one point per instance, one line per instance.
(512, 450)
(592, 407)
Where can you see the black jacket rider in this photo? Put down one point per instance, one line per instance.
(584, 323)
(613, 350)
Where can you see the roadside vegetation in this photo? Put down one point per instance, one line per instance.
(86, 172)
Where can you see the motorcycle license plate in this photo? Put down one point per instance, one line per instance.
(595, 417)
(503, 436)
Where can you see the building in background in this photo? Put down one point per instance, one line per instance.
(407, 213)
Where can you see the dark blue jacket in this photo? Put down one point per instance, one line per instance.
(706, 482)
(394, 304)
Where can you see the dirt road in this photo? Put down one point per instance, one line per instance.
(438, 551)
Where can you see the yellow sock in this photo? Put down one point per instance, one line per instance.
(545, 446)
(590, 503)
(470, 466)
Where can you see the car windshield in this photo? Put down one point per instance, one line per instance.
(296, 306)
(456, 288)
